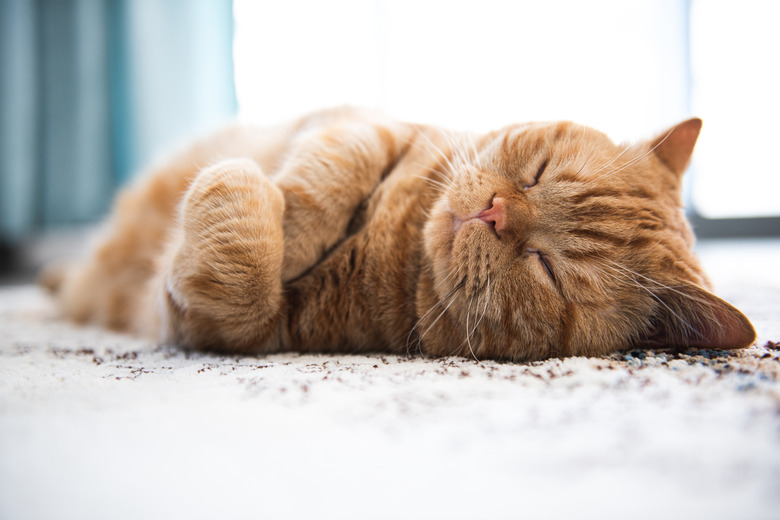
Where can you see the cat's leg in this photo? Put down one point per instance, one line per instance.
(106, 286)
(328, 172)
(220, 281)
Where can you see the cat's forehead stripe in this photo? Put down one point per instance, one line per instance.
(627, 242)
(604, 191)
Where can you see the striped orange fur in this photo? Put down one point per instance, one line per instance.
(346, 231)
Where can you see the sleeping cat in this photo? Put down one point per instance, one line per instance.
(349, 232)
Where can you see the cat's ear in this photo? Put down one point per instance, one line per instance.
(675, 146)
(692, 317)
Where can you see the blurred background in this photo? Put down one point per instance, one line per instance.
(91, 91)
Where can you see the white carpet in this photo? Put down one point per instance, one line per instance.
(98, 425)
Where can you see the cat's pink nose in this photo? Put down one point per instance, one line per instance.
(495, 215)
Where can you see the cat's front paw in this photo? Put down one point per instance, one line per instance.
(223, 284)
(230, 197)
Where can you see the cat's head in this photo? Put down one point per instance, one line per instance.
(550, 240)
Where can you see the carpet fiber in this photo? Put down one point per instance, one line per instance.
(99, 425)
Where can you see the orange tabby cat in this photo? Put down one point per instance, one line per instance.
(350, 232)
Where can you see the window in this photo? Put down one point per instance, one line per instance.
(627, 68)
(736, 89)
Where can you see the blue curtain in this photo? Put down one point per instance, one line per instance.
(93, 90)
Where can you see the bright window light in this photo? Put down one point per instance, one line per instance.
(736, 89)
(622, 67)
(612, 64)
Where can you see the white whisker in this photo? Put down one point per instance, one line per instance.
(635, 160)
(452, 300)
(476, 155)
(449, 296)
(656, 282)
(468, 335)
(608, 164)
(442, 187)
(487, 299)
(456, 147)
(629, 274)
(470, 331)
(443, 155)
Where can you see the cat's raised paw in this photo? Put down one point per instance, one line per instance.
(224, 281)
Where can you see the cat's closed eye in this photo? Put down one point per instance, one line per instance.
(538, 175)
(540, 257)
